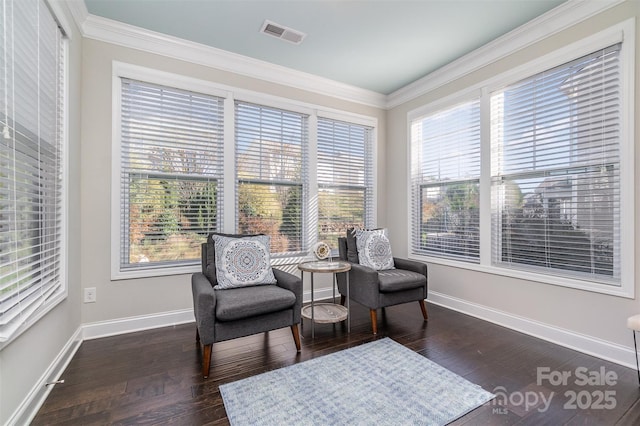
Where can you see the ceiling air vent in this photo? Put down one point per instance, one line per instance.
(282, 32)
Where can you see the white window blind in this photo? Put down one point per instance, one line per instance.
(556, 172)
(31, 161)
(171, 174)
(445, 177)
(345, 178)
(271, 174)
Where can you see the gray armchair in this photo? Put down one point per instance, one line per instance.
(238, 312)
(379, 289)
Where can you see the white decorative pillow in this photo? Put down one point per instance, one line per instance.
(374, 249)
(242, 262)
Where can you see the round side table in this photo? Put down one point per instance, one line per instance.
(326, 312)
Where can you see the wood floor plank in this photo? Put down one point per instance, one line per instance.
(154, 377)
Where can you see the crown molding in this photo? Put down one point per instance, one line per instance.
(59, 12)
(107, 30)
(564, 16)
(78, 11)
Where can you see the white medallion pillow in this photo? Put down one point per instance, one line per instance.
(374, 249)
(242, 262)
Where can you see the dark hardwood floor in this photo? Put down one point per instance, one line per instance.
(153, 377)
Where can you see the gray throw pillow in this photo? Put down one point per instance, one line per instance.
(242, 262)
(374, 249)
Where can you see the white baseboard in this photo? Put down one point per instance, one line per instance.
(99, 329)
(586, 344)
(139, 323)
(30, 405)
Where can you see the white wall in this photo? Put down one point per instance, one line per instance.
(151, 296)
(589, 321)
(27, 362)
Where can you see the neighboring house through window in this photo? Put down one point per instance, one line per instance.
(556, 170)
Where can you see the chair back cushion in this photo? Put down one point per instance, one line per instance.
(242, 261)
(342, 248)
(352, 248)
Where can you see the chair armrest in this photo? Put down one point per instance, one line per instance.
(294, 284)
(363, 274)
(413, 266)
(410, 265)
(364, 286)
(204, 307)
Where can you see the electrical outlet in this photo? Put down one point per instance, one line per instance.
(90, 295)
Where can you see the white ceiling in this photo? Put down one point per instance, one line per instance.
(379, 45)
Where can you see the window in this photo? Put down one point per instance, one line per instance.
(345, 178)
(530, 174)
(192, 157)
(445, 179)
(32, 155)
(271, 174)
(556, 170)
(171, 174)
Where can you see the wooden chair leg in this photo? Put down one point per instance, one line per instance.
(197, 335)
(423, 307)
(206, 359)
(342, 299)
(296, 336)
(374, 320)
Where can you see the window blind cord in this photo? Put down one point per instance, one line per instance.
(603, 155)
(602, 138)
(41, 218)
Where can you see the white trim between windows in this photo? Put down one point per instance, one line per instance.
(624, 31)
(230, 94)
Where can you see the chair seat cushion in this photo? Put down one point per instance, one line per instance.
(399, 279)
(244, 302)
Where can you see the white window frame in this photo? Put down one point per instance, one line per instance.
(230, 95)
(120, 71)
(623, 32)
(369, 176)
(303, 181)
(62, 293)
(434, 108)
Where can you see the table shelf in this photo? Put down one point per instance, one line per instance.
(325, 313)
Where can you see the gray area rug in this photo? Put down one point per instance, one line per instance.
(377, 383)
